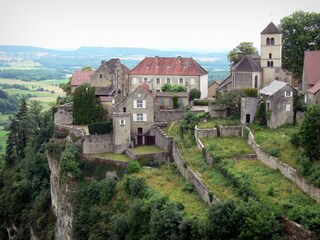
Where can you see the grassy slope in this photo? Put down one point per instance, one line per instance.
(147, 149)
(212, 123)
(170, 183)
(273, 139)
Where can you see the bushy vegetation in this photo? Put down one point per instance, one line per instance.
(100, 127)
(167, 87)
(199, 102)
(32, 74)
(214, 122)
(194, 94)
(24, 176)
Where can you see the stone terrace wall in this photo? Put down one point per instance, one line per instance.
(286, 170)
(73, 130)
(162, 140)
(169, 115)
(191, 177)
(97, 144)
(105, 160)
(64, 114)
(294, 231)
(205, 133)
(228, 131)
(158, 157)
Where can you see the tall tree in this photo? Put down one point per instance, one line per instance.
(300, 32)
(244, 48)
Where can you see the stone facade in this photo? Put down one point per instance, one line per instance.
(168, 115)
(97, 144)
(230, 131)
(122, 130)
(249, 106)
(64, 114)
(205, 133)
(164, 141)
(218, 111)
(212, 89)
(286, 170)
(313, 98)
(164, 99)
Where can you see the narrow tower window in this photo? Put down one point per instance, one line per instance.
(270, 55)
(256, 81)
(272, 41)
(268, 63)
(271, 63)
(268, 41)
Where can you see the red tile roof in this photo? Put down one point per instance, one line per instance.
(315, 88)
(312, 66)
(80, 77)
(169, 66)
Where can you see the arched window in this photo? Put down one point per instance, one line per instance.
(270, 55)
(268, 41)
(268, 63)
(271, 63)
(272, 41)
(256, 81)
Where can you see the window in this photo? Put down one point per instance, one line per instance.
(268, 41)
(145, 79)
(272, 41)
(122, 122)
(268, 106)
(288, 107)
(271, 63)
(169, 80)
(139, 103)
(134, 80)
(256, 81)
(139, 117)
(124, 109)
(288, 93)
(270, 55)
(100, 75)
(158, 80)
(192, 82)
(158, 90)
(181, 80)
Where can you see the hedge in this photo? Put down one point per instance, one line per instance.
(100, 127)
(200, 102)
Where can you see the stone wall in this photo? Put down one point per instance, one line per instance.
(105, 160)
(97, 143)
(169, 115)
(74, 131)
(158, 157)
(205, 133)
(162, 140)
(64, 114)
(286, 170)
(217, 111)
(228, 131)
(294, 231)
(191, 177)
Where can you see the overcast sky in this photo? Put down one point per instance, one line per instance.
(161, 24)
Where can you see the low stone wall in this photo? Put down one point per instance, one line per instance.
(205, 133)
(230, 131)
(294, 231)
(191, 177)
(97, 144)
(74, 131)
(286, 170)
(199, 144)
(162, 140)
(158, 157)
(64, 114)
(169, 115)
(105, 160)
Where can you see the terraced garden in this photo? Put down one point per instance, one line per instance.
(212, 123)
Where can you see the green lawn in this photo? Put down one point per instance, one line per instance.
(212, 123)
(147, 149)
(227, 147)
(113, 156)
(277, 142)
(272, 188)
(169, 182)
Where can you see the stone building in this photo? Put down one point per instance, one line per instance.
(311, 77)
(140, 105)
(278, 96)
(160, 70)
(212, 89)
(254, 71)
(79, 77)
(249, 107)
(164, 99)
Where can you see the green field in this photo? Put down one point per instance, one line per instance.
(277, 142)
(169, 182)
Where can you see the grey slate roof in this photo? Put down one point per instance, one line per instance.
(271, 29)
(273, 87)
(247, 64)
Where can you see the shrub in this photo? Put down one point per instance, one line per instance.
(136, 186)
(175, 102)
(134, 167)
(296, 139)
(261, 117)
(69, 162)
(61, 134)
(251, 92)
(118, 227)
(100, 127)
(194, 94)
(187, 187)
(275, 151)
(199, 102)
(107, 190)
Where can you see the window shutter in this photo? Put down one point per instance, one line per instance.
(134, 103)
(144, 104)
(134, 117)
(291, 93)
(144, 117)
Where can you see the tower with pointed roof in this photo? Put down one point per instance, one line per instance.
(271, 51)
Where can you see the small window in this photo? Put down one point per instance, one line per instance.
(158, 80)
(272, 41)
(271, 63)
(124, 109)
(139, 103)
(192, 82)
(158, 90)
(169, 80)
(134, 80)
(145, 80)
(268, 106)
(268, 41)
(181, 81)
(256, 81)
(122, 122)
(288, 107)
(270, 55)
(100, 75)
(268, 64)
(288, 93)
(139, 117)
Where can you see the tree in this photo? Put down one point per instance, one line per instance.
(310, 132)
(66, 87)
(243, 49)
(298, 104)
(194, 94)
(175, 102)
(86, 107)
(167, 87)
(87, 68)
(300, 32)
